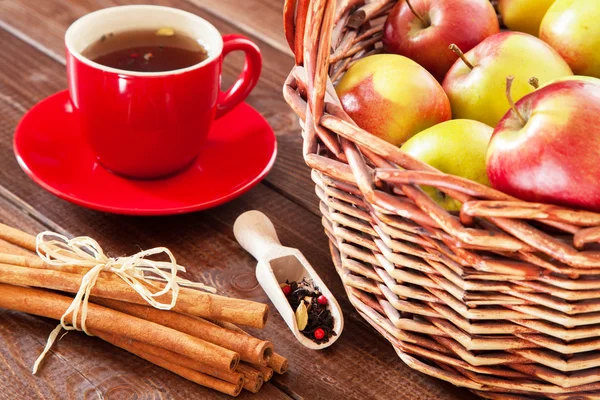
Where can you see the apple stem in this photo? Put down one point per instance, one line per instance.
(533, 81)
(459, 52)
(509, 81)
(415, 13)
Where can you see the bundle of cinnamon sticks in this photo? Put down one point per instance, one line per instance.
(197, 339)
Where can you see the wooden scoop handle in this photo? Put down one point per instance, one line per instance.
(255, 232)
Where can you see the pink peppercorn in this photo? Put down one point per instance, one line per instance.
(322, 300)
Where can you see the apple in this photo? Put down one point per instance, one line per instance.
(392, 97)
(475, 84)
(422, 30)
(571, 27)
(545, 149)
(456, 147)
(582, 78)
(524, 15)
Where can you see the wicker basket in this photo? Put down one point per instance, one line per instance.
(503, 298)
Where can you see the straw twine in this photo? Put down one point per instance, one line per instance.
(137, 271)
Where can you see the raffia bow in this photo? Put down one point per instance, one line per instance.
(137, 271)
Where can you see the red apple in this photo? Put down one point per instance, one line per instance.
(545, 149)
(392, 97)
(422, 30)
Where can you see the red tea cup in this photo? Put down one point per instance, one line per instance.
(152, 124)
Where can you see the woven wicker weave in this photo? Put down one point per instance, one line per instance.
(503, 298)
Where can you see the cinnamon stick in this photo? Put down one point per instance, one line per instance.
(194, 302)
(253, 385)
(277, 362)
(250, 349)
(194, 376)
(266, 371)
(253, 379)
(6, 247)
(53, 305)
(32, 261)
(22, 261)
(133, 346)
(17, 237)
(249, 372)
(26, 254)
(237, 311)
(191, 375)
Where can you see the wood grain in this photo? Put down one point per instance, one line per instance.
(260, 18)
(360, 365)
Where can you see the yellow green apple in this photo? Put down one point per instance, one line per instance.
(392, 97)
(572, 28)
(523, 15)
(476, 84)
(456, 147)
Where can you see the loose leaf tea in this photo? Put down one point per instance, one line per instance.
(149, 50)
(310, 306)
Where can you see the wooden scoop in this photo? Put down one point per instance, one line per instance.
(276, 264)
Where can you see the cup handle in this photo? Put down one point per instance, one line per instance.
(247, 79)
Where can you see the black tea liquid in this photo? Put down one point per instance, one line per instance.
(146, 50)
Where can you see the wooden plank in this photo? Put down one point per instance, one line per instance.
(204, 239)
(30, 21)
(260, 18)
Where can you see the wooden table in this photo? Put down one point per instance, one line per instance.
(361, 365)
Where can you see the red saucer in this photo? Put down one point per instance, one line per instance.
(239, 152)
